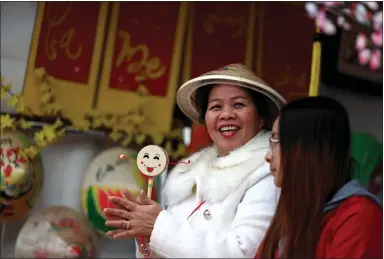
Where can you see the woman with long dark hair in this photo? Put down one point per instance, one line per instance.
(321, 212)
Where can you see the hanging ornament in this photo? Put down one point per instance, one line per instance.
(375, 61)
(346, 15)
(364, 56)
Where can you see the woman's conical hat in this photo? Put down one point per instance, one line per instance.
(233, 74)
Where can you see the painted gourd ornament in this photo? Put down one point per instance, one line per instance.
(20, 178)
(57, 232)
(107, 175)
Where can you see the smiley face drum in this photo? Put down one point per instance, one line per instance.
(20, 178)
(152, 160)
(106, 175)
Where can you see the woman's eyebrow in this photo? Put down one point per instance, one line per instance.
(232, 98)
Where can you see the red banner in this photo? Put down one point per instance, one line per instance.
(284, 48)
(143, 46)
(199, 138)
(67, 39)
(219, 34)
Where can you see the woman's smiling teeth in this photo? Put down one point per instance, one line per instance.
(228, 128)
(228, 131)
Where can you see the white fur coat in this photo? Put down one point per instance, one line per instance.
(240, 198)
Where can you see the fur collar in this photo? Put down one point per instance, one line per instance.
(216, 177)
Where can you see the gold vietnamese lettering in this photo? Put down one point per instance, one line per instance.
(236, 24)
(285, 78)
(145, 67)
(64, 42)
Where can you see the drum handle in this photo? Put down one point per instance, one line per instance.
(2, 227)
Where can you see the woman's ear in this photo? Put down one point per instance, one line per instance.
(262, 123)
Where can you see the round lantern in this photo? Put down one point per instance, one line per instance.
(106, 175)
(57, 232)
(20, 178)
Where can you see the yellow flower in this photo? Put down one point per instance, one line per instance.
(168, 147)
(7, 122)
(46, 97)
(49, 133)
(14, 100)
(97, 122)
(181, 150)
(93, 113)
(139, 138)
(30, 152)
(20, 107)
(114, 135)
(81, 124)
(25, 124)
(51, 108)
(40, 72)
(58, 123)
(176, 134)
(45, 88)
(61, 133)
(4, 91)
(127, 140)
(39, 138)
(157, 138)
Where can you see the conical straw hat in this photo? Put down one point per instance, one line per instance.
(233, 74)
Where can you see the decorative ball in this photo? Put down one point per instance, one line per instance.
(57, 232)
(20, 178)
(107, 175)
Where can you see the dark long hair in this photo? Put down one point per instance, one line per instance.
(315, 163)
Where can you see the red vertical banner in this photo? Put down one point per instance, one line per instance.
(284, 47)
(199, 138)
(218, 34)
(142, 62)
(68, 47)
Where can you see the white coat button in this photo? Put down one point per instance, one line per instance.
(207, 214)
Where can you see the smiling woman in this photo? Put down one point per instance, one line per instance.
(222, 202)
(223, 100)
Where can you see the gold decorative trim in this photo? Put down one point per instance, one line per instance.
(315, 68)
(260, 39)
(250, 37)
(189, 44)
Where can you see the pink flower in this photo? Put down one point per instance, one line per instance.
(361, 41)
(373, 5)
(311, 8)
(375, 60)
(330, 4)
(364, 56)
(320, 19)
(377, 38)
(377, 20)
(340, 20)
(347, 26)
(329, 28)
(361, 13)
(346, 11)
